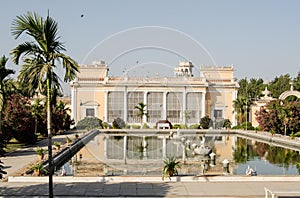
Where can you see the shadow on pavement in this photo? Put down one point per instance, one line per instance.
(91, 189)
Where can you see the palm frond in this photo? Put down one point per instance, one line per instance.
(30, 23)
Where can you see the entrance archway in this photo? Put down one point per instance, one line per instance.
(286, 94)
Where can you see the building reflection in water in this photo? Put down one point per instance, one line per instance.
(119, 154)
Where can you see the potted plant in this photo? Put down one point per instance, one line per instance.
(170, 166)
(68, 140)
(37, 169)
(41, 152)
(57, 145)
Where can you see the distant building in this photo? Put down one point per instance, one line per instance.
(182, 99)
(265, 99)
(257, 104)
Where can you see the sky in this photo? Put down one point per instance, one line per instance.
(260, 38)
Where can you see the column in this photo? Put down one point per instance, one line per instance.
(106, 138)
(73, 102)
(234, 96)
(125, 105)
(184, 106)
(165, 105)
(164, 147)
(146, 103)
(125, 149)
(106, 107)
(203, 110)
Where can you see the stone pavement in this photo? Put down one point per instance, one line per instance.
(144, 189)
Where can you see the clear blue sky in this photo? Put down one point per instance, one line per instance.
(261, 38)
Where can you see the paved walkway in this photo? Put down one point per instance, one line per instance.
(15, 161)
(145, 189)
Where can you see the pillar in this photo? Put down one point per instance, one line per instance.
(145, 102)
(184, 106)
(106, 138)
(234, 96)
(125, 149)
(125, 105)
(165, 105)
(74, 102)
(164, 147)
(106, 107)
(203, 110)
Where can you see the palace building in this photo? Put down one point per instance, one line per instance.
(182, 99)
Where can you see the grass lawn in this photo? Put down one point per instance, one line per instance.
(14, 144)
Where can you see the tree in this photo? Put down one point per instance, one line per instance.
(255, 88)
(4, 91)
(241, 106)
(61, 117)
(18, 121)
(280, 116)
(40, 57)
(251, 89)
(4, 81)
(279, 85)
(296, 82)
(39, 113)
(142, 111)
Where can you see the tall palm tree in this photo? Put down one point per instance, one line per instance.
(241, 106)
(4, 81)
(40, 56)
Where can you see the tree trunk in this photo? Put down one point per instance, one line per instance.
(49, 136)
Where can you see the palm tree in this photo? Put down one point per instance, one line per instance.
(142, 111)
(4, 81)
(241, 106)
(40, 56)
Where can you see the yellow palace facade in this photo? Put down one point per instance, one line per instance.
(181, 99)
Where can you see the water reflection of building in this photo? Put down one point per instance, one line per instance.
(179, 99)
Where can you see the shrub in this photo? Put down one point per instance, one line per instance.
(134, 126)
(205, 122)
(176, 126)
(119, 123)
(183, 126)
(227, 123)
(224, 123)
(89, 123)
(105, 125)
(247, 125)
(237, 127)
(194, 126)
(145, 126)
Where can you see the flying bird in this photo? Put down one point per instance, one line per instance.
(81, 15)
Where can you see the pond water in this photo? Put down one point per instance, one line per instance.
(142, 154)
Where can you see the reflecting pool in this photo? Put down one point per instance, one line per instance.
(143, 154)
